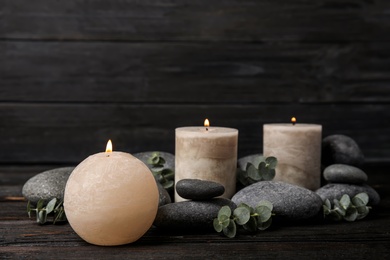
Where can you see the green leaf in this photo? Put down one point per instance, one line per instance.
(345, 201)
(168, 184)
(360, 199)
(242, 215)
(326, 210)
(268, 174)
(253, 173)
(230, 230)
(42, 217)
(335, 216)
(217, 225)
(40, 204)
(59, 216)
(327, 204)
(338, 208)
(29, 208)
(267, 204)
(351, 214)
(251, 210)
(251, 225)
(264, 225)
(50, 206)
(264, 213)
(362, 209)
(225, 211)
(271, 162)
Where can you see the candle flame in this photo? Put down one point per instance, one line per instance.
(293, 120)
(109, 146)
(206, 123)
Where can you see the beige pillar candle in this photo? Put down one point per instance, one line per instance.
(111, 199)
(207, 153)
(298, 150)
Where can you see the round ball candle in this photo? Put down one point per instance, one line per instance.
(111, 198)
(207, 153)
(298, 150)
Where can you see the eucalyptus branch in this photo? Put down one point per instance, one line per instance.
(54, 207)
(347, 208)
(163, 175)
(251, 219)
(265, 171)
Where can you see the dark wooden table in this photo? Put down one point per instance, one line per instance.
(22, 238)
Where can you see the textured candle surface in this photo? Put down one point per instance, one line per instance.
(111, 199)
(298, 150)
(207, 155)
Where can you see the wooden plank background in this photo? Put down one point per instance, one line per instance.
(76, 73)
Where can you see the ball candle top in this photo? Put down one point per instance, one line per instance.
(111, 198)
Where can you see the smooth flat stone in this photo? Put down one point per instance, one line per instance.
(337, 190)
(341, 149)
(195, 189)
(189, 215)
(289, 201)
(342, 173)
(47, 185)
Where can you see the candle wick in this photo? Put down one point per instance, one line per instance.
(207, 129)
(293, 123)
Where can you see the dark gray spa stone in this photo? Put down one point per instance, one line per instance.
(47, 185)
(289, 201)
(341, 149)
(342, 173)
(168, 157)
(195, 189)
(190, 215)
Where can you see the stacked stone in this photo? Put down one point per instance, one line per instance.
(341, 155)
(200, 209)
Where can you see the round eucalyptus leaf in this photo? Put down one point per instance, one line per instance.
(340, 211)
(217, 225)
(225, 211)
(253, 173)
(327, 203)
(168, 184)
(251, 210)
(351, 214)
(268, 174)
(267, 204)
(362, 209)
(271, 162)
(345, 201)
(40, 204)
(42, 217)
(335, 216)
(251, 225)
(230, 230)
(242, 215)
(264, 225)
(50, 206)
(264, 213)
(360, 199)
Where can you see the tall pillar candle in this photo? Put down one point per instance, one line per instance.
(298, 150)
(207, 153)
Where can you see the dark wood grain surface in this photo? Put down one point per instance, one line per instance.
(74, 74)
(22, 238)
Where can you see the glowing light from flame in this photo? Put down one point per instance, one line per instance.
(206, 123)
(293, 120)
(109, 146)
